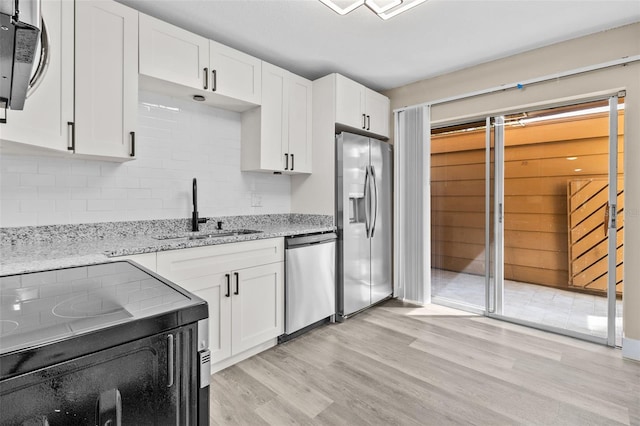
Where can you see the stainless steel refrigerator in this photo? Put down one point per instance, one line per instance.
(364, 205)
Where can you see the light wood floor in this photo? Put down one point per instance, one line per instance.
(401, 365)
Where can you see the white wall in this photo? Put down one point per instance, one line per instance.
(176, 141)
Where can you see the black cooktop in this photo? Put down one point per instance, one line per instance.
(70, 312)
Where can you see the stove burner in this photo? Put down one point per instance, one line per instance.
(7, 327)
(91, 305)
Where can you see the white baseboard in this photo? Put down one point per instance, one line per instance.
(631, 349)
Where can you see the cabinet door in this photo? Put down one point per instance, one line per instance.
(257, 308)
(350, 103)
(106, 101)
(235, 74)
(273, 120)
(300, 121)
(213, 289)
(50, 104)
(377, 110)
(173, 54)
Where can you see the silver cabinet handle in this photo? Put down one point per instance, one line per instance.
(237, 275)
(364, 121)
(286, 161)
(206, 79)
(214, 85)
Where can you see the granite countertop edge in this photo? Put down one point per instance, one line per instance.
(27, 258)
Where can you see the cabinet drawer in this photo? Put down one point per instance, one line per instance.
(196, 262)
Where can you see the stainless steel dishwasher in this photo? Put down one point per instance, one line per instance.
(310, 282)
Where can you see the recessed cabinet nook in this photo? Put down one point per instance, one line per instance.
(169, 54)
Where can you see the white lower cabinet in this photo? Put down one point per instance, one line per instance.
(257, 306)
(243, 283)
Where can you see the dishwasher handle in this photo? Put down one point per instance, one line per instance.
(307, 240)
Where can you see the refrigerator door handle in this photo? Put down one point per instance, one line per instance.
(367, 202)
(375, 201)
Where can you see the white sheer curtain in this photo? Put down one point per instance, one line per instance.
(412, 236)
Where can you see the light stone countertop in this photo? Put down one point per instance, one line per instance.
(55, 253)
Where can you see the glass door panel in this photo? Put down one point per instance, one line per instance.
(553, 235)
(458, 195)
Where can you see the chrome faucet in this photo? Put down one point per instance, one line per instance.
(195, 221)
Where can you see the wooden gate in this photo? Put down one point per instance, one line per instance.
(588, 239)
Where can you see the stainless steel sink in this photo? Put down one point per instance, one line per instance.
(218, 234)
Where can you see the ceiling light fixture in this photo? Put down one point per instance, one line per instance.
(389, 10)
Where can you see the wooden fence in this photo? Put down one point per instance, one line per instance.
(540, 159)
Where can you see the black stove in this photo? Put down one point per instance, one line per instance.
(65, 321)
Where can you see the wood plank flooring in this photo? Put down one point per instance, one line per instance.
(398, 364)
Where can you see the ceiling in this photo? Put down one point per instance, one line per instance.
(436, 37)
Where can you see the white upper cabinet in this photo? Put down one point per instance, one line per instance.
(361, 108)
(106, 74)
(176, 59)
(49, 106)
(277, 136)
(300, 123)
(235, 74)
(87, 100)
(172, 54)
(377, 107)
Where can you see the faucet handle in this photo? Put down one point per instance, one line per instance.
(203, 219)
(219, 227)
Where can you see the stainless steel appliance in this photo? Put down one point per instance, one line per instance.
(20, 23)
(364, 204)
(106, 344)
(310, 282)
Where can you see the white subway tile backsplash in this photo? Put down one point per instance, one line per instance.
(18, 218)
(71, 181)
(19, 193)
(10, 180)
(176, 141)
(34, 179)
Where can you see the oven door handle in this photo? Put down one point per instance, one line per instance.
(109, 408)
(170, 360)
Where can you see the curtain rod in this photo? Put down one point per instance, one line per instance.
(520, 85)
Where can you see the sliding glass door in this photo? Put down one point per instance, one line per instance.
(557, 231)
(458, 194)
(526, 220)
